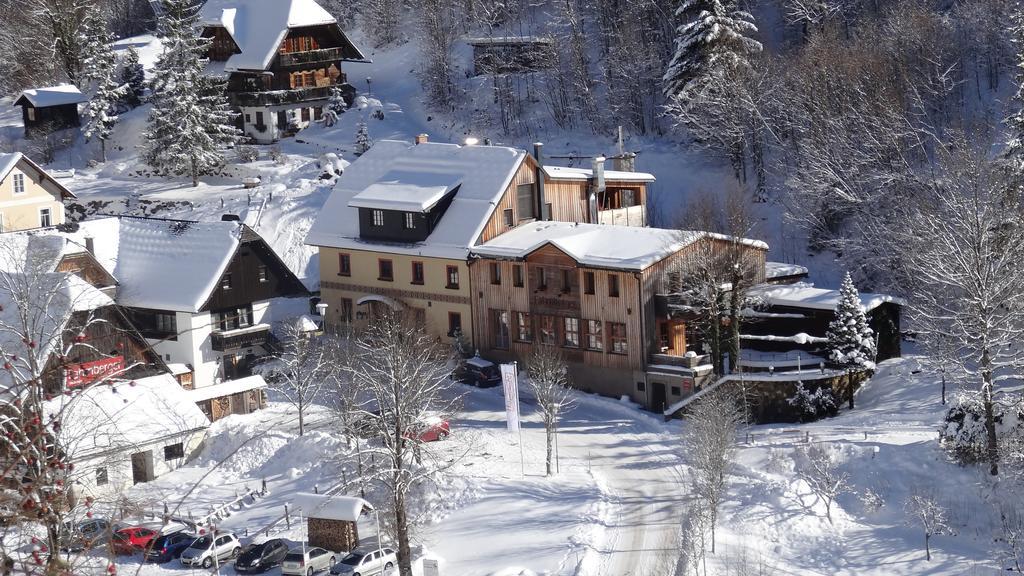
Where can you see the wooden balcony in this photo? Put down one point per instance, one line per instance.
(310, 57)
(224, 340)
(631, 216)
(280, 97)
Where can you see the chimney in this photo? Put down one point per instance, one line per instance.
(598, 187)
(422, 138)
(625, 162)
(538, 154)
(90, 245)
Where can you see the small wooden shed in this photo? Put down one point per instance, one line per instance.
(331, 520)
(46, 110)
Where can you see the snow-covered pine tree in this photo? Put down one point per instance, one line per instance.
(101, 111)
(712, 35)
(363, 141)
(1015, 122)
(133, 76)
(190, 123)
(96, 56)
(851, 342)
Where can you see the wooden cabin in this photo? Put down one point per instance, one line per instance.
(512, 54)
(47, 110)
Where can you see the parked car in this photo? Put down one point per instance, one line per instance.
(262, 557)
(479, 372)
(433, 427)
(305, 562)
(216, 547)
(436, 428)
(85, 535)
(169, 546)
(132, 539)
(362, 562)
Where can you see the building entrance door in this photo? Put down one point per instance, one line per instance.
(142, 466)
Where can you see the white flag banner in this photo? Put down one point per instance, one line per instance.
(510, 383)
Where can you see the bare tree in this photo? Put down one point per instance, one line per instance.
(820, 469)
(549, 378)
(404, 374)
(709, 441)
(300, 370)
(925, 511)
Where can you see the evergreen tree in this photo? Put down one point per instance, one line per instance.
(191, 122)
(133, 76)
(851, 342)
(363, 141)
(101, 112)
(96, 56)
(712, 36)
(1015, 122)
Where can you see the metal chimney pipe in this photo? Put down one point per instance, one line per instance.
(599, 187)
(542, 207)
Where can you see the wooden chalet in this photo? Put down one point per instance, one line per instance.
(282, 59)
(47, 110)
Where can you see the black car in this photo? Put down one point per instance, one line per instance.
(479, 372)
(168, 547)
(262, 557)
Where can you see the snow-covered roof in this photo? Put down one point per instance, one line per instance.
(805, 295)
(406, 191)
(124, 414)
(177, 369)
(484, 173)
(565, 173)
(485, 41)
(783, 270)
(226, 388)
(162, 265)
(599, 245)
(346, 508)
(9, 161)
(52, 96)
(259, 26)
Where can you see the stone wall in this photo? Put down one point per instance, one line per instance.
(769, 398)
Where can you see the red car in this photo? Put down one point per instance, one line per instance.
(132, 539)
(436, 429)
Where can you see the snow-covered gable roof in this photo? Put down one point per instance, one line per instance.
(259, 26)
(565, 173)
(52, 96)
(9, 161)
(783, 270)
(124, 414)
(484, 172)
(805, 295)
(406, 191)
(598, 245)
(226, 388)
(345, 508)
(162, 265)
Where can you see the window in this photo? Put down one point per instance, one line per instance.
(174, 451)
(261, 273)
(499, 329)
(410, 221)
(345, 311)
(548, 208)
(524, 329)
(617, 337)
(613, 285)
(588, 282)
(248, 118)
(417, 272)
(166, 323)
(524, 201)
(675, 390)
(454, 323)
(571, 336)
(548, 334)
(510, 219)
(305, 111)
(101, 477)
(344, 265)
(234, 318)
(259, 120)
(225, 282)
(31, 113)
(542, 279)
(495, 273)
(566, 281)
(517, 275)
(378, 217)
(385, 270)
(452, 274)
(641, 387)
(44, 217)
(19, 183)
(595, 338)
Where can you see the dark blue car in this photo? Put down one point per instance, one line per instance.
(168, 547)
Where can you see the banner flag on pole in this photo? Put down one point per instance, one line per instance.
(510, 384)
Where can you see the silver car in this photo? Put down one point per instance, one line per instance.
(362, 562)
(210, 549)
(305, 562)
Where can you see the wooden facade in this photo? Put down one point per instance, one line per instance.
(255, 273)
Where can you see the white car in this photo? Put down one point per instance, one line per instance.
(362, 562)
(218, 547)
(306, 562)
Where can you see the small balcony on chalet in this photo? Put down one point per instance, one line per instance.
(320, 56)
(622, 206)
(628, 216)
(248, 337)
(280, 97)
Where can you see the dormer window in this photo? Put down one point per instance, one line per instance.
(225, 282)
(410, 221)
(378, 218)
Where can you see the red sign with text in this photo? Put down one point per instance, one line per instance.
(76, 375)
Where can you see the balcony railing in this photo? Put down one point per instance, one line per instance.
(278, 97)
(310, 57)
(631, 216)
(223, 340)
